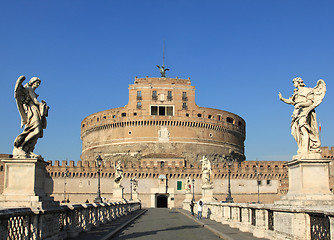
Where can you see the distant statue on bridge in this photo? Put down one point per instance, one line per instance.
(188, 184)
(135, 184)
(33, 117)
(304, 127)
(119, 174)
(206, 172)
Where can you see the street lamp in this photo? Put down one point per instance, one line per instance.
(193, 182)
(258, 181)
(229, 198)
(65, 183)
(98, 198)
(131, 181)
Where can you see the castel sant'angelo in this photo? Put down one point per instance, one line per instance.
(154, 146)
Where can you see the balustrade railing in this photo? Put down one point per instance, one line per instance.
(274, 221)
(59, 222)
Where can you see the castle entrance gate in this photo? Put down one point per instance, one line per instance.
(162, 200)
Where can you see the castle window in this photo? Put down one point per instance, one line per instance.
(210, 116)
(113, 116)
(162, 110)
(139, 95)
(154, 110)
(184, 105)
(138, 106)
(219, 117)
(199, 115)
(135, 114)
(179, 185)
(268, 182)
(83, 125)
(169, 96)
(162, 164)
(169, 111)
(154, 95)
(184, 96)
(229, 120)
(123, 114)
(259, 182)
(187, 114)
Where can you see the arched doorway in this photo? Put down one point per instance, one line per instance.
(162, 201)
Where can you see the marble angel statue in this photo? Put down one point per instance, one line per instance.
(206, 172)
(304, 127)
(188, 184)
(119, 174)
(33, 117)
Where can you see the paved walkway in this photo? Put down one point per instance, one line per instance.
(224, 231)
(164, 223)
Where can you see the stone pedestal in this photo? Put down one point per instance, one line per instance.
(135, 196)
(308, 183)
(189, 197)
(24, 183)
(118, 194)
(207, 194)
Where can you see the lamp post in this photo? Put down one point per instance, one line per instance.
(131, 181)
(193, 182)
(98, 198)
(65, 183)
(257, 181)
(229, 197)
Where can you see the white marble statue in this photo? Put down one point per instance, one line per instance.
(206, 172)
(119, 174)
(33, 117)
(188, 184)
(304, 127)
(135, 184)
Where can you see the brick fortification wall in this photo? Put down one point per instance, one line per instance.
(81, 179)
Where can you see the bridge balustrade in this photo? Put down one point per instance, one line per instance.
(273, 221)
(59, 222)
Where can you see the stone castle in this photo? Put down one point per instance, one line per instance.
(159, 137)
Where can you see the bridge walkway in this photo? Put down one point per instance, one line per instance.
(164, 223)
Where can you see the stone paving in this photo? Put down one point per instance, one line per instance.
(164, 223)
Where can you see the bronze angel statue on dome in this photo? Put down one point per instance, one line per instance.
(33, 117)
(304, 126)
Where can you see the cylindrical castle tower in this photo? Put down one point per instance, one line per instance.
(162, 119)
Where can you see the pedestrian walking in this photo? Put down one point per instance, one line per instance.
(192, 207)
(199, 209)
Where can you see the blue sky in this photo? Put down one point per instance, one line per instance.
(238, 54)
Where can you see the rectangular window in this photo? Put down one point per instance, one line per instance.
(169, 96)
(179, 185)
(184, 105)
(162, 111)
(154, 95)
(154, 110)
(259, 182)
(169, 111)
(139, 105)
(138, 93)
(268, 182)
(184, 96)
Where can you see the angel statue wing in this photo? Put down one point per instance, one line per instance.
(20, 94)
(319, 94)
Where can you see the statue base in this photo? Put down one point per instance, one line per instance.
(189, 197)
(118, 194)
(24, 184)
(207, 194)
(308, 182)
